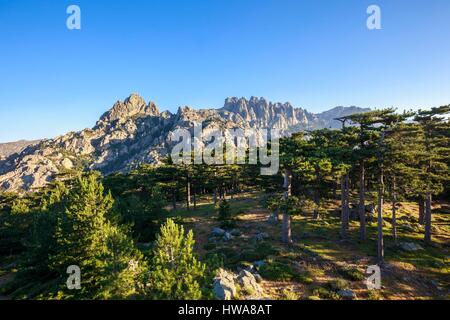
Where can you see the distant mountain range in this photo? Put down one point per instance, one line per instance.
(133, 132)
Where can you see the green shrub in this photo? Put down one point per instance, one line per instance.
(325, 293)
(224, 210)
(275, 270)
(374, 295)
(265, 249)
(337, 285)
(249, 255)
(304, 278)
(229, 256)
(228, 224)
(209, 246)
(260, 252)
(352, 274)
(290, 295)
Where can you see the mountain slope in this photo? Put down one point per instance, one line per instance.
(9, 148)
(133, 132)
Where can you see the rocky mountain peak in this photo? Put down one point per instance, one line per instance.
(132, 106)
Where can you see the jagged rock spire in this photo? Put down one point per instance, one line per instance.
(133, 105)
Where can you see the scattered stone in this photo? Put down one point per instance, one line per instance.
(261, 236)
(235, 232)
(227, 236)
(410, 246)
(347, 294)
(249, 269)
(258, 277)
(217, 232)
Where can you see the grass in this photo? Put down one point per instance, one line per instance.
(320, 262)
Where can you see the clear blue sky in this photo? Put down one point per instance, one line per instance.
(316, 54)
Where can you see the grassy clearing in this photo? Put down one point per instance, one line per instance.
(319, 263)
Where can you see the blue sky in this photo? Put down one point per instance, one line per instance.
(315, 54)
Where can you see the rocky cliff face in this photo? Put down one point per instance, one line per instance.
(133, 132)
(7, 149)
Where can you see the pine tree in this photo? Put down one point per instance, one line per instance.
(435, 138)
(176, 274)
(364, 155)
(86, 238)
(120, 266)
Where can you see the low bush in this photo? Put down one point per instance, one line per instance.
(352, 274)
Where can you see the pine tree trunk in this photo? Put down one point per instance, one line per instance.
(362, 205)
(317, 197)
(421, 211)
(215, 196)
(427, 237)
(316, 206)
(286, 224)
(394, 212)
(347, 198)
(188, 194)
(174, 200)
(345, 210)
(380, 219)
(194, 197)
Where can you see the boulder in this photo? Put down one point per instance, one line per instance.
(249, 283)
(235, 232)
(346, 294)
(224, 287)
(227, 236)
(258, 277)
(260, 236)
(67, 163)
(410, 246)
(217, 232)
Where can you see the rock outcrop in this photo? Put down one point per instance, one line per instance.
(226, 283)
(134, 132)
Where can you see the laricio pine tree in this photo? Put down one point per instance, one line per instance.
(401, 168)
(86, 238)
(176, 274)
(363, 154)
(288, 148)
(434, 133)
(337, 146)
(387, 121)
